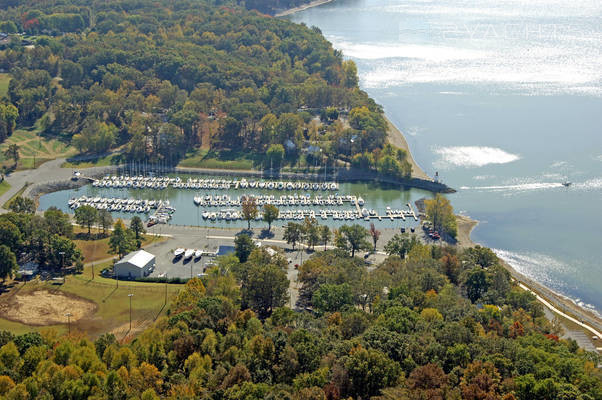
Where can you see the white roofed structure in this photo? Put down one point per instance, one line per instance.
(137, 264)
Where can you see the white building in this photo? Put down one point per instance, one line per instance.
(137, 264)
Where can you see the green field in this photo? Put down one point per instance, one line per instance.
(203, 158)
(33, 147)
(112, 159)
(112, 312)
(4, 186)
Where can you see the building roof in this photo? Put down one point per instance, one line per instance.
(138, 258)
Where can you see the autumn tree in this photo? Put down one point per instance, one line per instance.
(375, 234)
(249, 209)
(441, 215)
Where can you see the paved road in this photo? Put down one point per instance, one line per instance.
(47, 172)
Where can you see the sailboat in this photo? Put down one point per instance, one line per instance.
(567, 183)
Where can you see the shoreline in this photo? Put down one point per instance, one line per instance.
(396, 137)
(560, 305)
(302, 7)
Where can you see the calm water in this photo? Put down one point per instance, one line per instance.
(504, 99)
(376, 197)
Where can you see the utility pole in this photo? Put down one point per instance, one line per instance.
(68, 315)
(62, 254)
(130, 296)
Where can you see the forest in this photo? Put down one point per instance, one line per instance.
(159, 81)
(430, 322)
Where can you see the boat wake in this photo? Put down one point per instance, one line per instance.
(589, 185)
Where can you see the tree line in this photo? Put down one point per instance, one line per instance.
(162, 81)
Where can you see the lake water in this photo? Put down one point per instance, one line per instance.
(504, 99)
(377, 197)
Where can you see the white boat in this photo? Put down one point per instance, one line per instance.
(360, 201)
(178, 252)
(188, 254)
(197, 200)
(198, 253)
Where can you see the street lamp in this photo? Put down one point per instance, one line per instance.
(68, 315)
(130, 296)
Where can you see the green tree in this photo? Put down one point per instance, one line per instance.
(265, 288)
(325, 235)
(292, 233)
(86, 216)
(12, 152)
(476, 284)
(400, 244)
(441, 215)
(370, 371)
(270, 214)
(311, 232)
(122, 240)
(58, 222)
(137, 227)
(331, 297)
(243, 245)
(10, 235)
(249, 209)
(355, 236)
(22, 204)
(105, 219)
(62, 252)
(8, 262)
(274, 156)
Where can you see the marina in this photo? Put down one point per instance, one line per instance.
(168, 200)
(160, 183)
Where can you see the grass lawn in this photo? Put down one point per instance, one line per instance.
(112, 159)
(19, 193)
(33, 147)
(4, 186)
(4, 81)
(112, 302)
(98, 249)
(202, 158)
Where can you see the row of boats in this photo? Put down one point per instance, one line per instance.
(117, 204)
(187, 253)
(163, 182)
(290, 200)
(301, 214)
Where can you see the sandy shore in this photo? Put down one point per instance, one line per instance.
(396, 138)
(302, 7)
